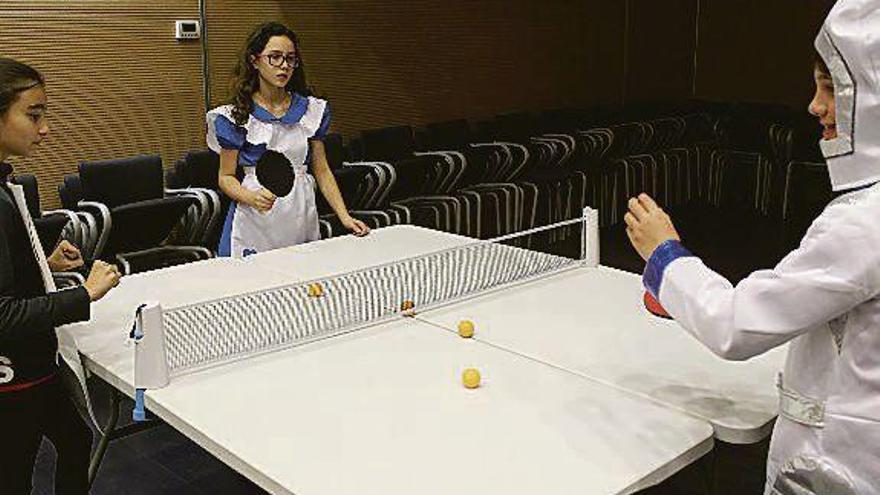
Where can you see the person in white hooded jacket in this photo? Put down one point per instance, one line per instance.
(823, 297)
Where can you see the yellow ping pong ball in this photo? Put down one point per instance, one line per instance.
(470, 378)
(466, 329)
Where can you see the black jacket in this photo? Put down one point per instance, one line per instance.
(28, 315)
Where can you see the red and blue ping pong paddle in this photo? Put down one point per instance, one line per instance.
(654, 307)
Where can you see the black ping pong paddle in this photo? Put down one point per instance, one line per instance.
(275, 173)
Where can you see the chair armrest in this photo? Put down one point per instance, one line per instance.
(107, 224)
(373, 214)
(451, 158)
(214, 199)
(74, 221)
(198, 251)
(387, 175)
(204, 211)
(68, 279)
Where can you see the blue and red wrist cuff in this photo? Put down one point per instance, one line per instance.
(666, 253)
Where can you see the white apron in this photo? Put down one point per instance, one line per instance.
(293, 219)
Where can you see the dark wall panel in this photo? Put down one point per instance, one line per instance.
(120, 84)
(417, 61)
(660, 49)
(758, 50)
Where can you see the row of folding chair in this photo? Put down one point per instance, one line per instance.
(363, 186)
(561, 188)
(198, 172)
(760, 141)
(807, 192)
(508, 174)
(452, 189)
(738, 167)
(678, 145)
(729, 156)
(523, 177)
(490, 168)
(132, 216)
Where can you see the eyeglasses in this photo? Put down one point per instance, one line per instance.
(277, 59)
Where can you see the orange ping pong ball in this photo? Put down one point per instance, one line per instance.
(409, 308)
(315, 290)
(470, 378)
(466, 329)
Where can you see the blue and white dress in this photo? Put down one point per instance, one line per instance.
(293, 219)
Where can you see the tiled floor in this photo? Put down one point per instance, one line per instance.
(157, 461)
(161, 461)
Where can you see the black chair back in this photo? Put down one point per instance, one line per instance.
(122, 181)
(70, 191)
(334, 149)
(388, 144)
(451, 134)
(49, 228)
(202, 169)
(145, 224)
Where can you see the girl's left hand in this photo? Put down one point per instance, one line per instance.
(647, 225)
(356, 227)
(66, 257)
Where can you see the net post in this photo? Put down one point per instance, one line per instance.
(590, 237)
(150, 364)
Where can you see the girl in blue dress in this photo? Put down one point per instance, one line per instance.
(272, 109)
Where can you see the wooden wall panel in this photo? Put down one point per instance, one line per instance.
(417, 61)
(118, 82)
(228, 24)
(756, 50)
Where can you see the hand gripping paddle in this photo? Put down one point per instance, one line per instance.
(275, 173)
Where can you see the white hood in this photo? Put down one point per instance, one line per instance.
(849, 43)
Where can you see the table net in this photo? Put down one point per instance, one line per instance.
(243, 325)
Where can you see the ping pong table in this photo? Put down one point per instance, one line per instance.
(582, 391)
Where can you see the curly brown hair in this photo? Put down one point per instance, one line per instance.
(245, 78)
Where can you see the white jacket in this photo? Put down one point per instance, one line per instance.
(823, 297)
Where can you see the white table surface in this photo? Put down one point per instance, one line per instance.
(381, 410)
(103, 339)
(592, 322)
(344, 254)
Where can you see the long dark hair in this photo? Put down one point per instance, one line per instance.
(246, 79)
(15, 78)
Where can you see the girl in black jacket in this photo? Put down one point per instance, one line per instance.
(33, 403)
